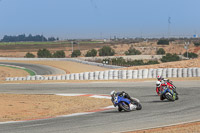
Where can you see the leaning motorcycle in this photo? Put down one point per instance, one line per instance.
(160, 85)
(126, 104)
(168, 94)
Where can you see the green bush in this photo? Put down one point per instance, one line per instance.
(76, 53)
(44, 53)
(106, 51)
(152, 62)
(170, 57)
(132, 51)
(91, 53)
(190, 55)
(59, 54)
(160, 51)
(29, 55)
(163, 42)
(120, 61)
(196, 44)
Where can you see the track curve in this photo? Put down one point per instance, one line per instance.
(154, 113)
(38, 69)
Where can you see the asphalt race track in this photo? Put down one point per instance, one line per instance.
(38, 69)
(154, 113)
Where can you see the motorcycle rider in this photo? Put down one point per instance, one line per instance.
(125, 95)
(167, 82)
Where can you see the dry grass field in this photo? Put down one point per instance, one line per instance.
(147, 48)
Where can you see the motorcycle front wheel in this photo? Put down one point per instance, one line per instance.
(124, 106)
(169, 97)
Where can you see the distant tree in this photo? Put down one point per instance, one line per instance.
(132, 51)
(106, 51)
(59, 54)
(160, 51)
(76, 53)
(91, 53)
(44, 53)
(170, 57)
(190, 55)
(196, 44)
(51, 39)
(23, 37)
(29, 55)
(163, 42)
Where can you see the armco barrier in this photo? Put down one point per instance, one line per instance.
(169, 72)
(164, 72)
(96, 75)
(140, 73)
(198, 72)
(174, 72)
(135, 74)
(101, 75)
(159, 71)
(124, 74)
(185, 72)
(180, 72)
(189, 72)
(150, 73)
(91, 75)
(118, 74)
(145, 73)
(81, 77)
(115, 74)
(154, 73)
(129, 74)
(110, 74)
(105, 75)
(194, 72)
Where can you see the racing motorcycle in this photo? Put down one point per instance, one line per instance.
(169, 83)
(168, 94)
(126, 104)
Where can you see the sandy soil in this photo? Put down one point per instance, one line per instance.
(11, 72)
(182, 128)
(15, 107)
(68, 66)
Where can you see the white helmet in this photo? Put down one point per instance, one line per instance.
(158, 83)
(113, 93)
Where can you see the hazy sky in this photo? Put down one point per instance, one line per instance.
(99, 18)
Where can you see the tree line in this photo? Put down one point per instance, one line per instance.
(23, 37)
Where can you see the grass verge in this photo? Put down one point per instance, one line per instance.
(32, 73)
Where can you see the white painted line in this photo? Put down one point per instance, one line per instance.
(98, 96)
(70, 94)
(76, 114)
(110, 107)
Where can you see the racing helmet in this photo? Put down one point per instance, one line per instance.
(158, 83)
(112, 93)
(159, 77)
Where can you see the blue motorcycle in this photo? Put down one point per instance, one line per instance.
(168, 94)
(126, 104)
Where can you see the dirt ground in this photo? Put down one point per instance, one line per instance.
(193, 127)
(15, 107)
(11, 72)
